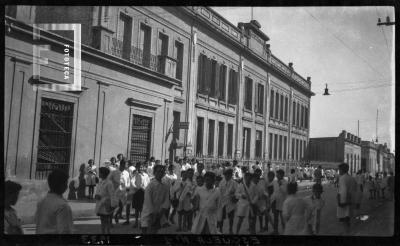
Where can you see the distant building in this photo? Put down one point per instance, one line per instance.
(344, 148)
(369, 156)
(383, 156)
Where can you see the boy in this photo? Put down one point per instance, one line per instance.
(208, 196)
(156, 202)
(243, 205)
(316, 203)
(103, 195)
(228, 202)
(53, 214)
(278, 198)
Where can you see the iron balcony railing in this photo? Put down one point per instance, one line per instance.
(161, 63)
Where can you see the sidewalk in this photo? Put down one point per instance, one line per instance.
(79, 209)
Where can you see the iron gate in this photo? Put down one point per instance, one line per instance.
(55, 130)
(141, 138)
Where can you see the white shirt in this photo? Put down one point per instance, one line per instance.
(124, 181)
(140, 181)
(185, 167)
(169, 179)
(53, 215)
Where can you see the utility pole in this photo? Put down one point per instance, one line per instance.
(377, 125)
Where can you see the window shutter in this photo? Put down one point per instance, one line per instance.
(216, 81)
(234, 87)
(208, 73)
(256, 99)
(200, 74)
(261, 99)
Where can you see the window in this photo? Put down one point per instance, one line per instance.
(286, 109)
(177, 118)
(179, 59)
(281, 106)
(294, 114)
(306, 118)
(211, 128)
(260, 99)
(277, 106)
(55, 131)
(202, 74)
(214, 83)
(280, 147)
(233, 87)
(125, 35)
(248, 96)
(304, 147)
(246, 142)
(302, 116)
(297, 115)
(293, 153)
(276, 146)
(284, 147)
(222, 82)
(297, 149)
(140, 138)
(106, 12)
(258, 144)
(145, 44)
(11, 11)
(301, 149)
(200, 132)
(162, 49)
(271, 104)
(270, 146)
(230, 140)
(221, 135)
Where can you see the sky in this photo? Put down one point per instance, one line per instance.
(344, 48)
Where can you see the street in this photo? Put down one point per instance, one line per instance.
(380, 220)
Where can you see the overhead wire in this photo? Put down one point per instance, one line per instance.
(344, 44)
(383, 31)
(363, 88)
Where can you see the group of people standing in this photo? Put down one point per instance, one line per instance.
(201, 200)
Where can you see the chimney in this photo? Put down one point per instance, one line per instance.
(268, 46)
(309, 80)
(291, 65)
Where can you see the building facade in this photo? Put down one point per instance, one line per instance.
(369, 154)
(344, 148)
(156, 81)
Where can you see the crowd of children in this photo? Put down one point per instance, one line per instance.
(199, 200)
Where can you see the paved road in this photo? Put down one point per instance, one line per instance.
(380, 214)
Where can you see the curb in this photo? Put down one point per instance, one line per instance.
(75, 215)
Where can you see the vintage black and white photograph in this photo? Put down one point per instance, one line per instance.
(198, 120)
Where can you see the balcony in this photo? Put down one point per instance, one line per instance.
(161, 64)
